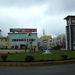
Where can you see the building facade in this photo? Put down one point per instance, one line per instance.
(4, 41)
(19, 39)
(59, 40)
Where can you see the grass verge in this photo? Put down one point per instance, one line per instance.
(37, 55)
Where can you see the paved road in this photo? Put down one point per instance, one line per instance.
(67, 69)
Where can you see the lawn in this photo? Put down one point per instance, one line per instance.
(37, 55)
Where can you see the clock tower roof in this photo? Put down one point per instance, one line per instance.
(69, 16)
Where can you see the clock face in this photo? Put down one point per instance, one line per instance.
(73, 21)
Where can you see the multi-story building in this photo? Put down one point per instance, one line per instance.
(45, 43)
(60, 40)
(42, 39)
(39, 41)
(49, 42)
(4, 41)
(45, 37)
(21, 39)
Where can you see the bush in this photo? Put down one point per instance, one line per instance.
(29, 58)
(72, 58)
(4, 57)
(64, 56)
(47, 59)
(41, 59)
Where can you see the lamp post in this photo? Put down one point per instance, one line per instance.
(28, 34)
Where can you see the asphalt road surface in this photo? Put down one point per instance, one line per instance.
(67, 69)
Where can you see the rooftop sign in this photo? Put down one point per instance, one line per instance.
(22, 30)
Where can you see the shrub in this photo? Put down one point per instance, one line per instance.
(64, 56)
(47, 59)
(52, 59)
(29, 58)
(4, 57)
(41, 59)
(72, 58)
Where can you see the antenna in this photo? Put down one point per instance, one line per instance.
(43, 32)
(22, 26)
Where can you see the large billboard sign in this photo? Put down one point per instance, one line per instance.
(22, 30)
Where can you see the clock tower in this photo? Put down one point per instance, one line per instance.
(70, 32)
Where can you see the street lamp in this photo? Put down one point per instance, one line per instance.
(28, 34)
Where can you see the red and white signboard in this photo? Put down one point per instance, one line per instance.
(30, 30)
(22, 30)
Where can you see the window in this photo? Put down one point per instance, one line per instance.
(24, 39)
(33, 39)
(74, 44)
(21, 39)
(50, 44)
(50, 40)
(13, 39)
(16, 39)
(27, 39)
(1, 39)
(12, 46)
(5, 39)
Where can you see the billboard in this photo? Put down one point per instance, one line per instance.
(22, 30)
(30, 30)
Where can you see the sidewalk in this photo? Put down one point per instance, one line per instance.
(12, 51)
(36, 63)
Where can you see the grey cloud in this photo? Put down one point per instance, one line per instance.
(6, 22)
(68, 5)
(52, 25)
(58, 7)
(21, 3)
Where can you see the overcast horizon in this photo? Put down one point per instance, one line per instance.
(40, 14)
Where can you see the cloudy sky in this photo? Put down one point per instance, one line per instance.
(40, 14)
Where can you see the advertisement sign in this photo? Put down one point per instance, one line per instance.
(15, 30)
(30, 30)
(22, 30)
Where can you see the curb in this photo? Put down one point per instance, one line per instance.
(36, 63)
